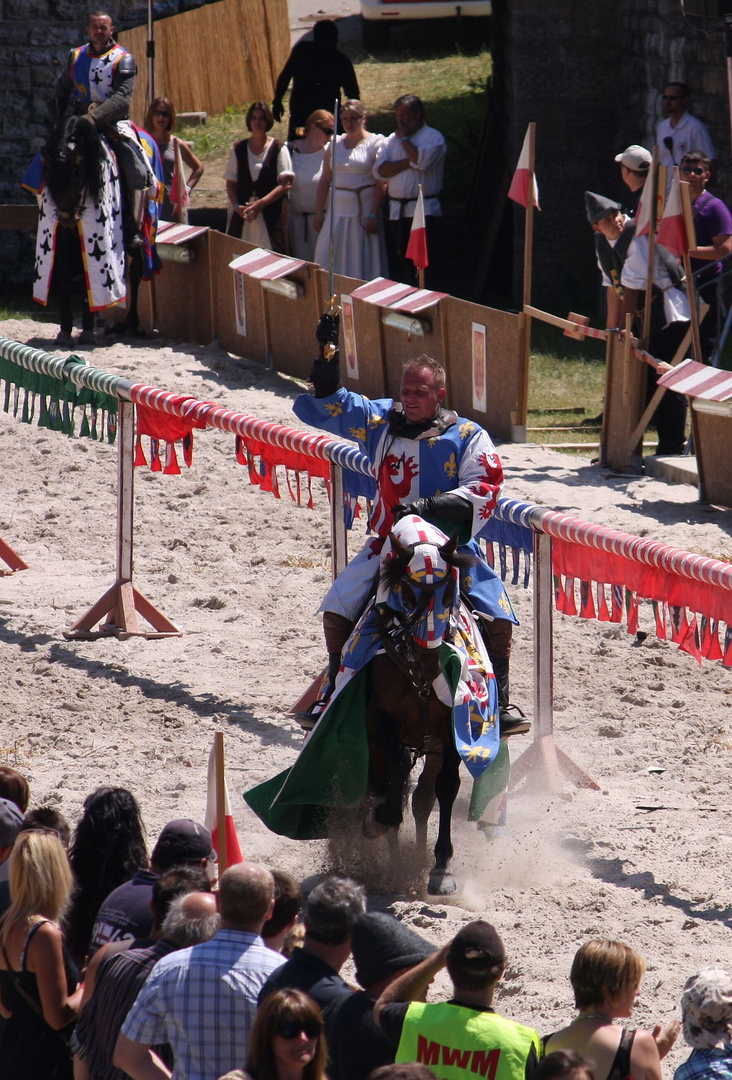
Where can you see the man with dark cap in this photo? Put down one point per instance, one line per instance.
(383, 948)
(463, 1036)
(329, 915)
(614, 232)
(635, 161)
(126, 911)
(11, 823)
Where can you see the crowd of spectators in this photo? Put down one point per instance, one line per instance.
(189, 975)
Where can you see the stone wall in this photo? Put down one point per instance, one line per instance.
(591, 76)
(35, 37)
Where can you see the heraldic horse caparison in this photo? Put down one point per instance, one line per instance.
(415, 682)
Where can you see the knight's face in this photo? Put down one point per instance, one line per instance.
(419, 396)
(100, 32)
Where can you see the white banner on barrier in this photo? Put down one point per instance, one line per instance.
(479, 364)
(240, 304)
(349, 336)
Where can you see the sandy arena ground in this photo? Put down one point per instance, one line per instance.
(242, 574)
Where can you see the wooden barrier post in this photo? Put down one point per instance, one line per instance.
(11, 558)
(123, 601)
(338, 533)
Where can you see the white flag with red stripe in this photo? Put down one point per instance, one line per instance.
(233, 851)
(672, 230)
(524, 178)
(646, 204)
(417, 246)
(179, 193)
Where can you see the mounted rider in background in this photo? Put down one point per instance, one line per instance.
(98, 80)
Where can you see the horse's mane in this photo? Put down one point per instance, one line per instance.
(73, 156)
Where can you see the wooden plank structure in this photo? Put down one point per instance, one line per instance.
(183, 296)
(251, 36)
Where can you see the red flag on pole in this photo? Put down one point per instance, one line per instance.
(523, 177)
(417, 246)
(646, 204)
(672, 230)
(180, 196)
(217, 806)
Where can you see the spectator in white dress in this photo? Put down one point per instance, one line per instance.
(359, 250)
(307, 153)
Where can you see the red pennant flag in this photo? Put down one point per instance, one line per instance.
(631, 611)
(679, 623)
(233, 851)
(713, 650)
(587, 607)
(417, 246)
(645, 206)
(616, 603)
(727, 657)
(659, 611)
(603, 613)
(180, 196)
(570, 607)
(524, 179)
(672, 230)
(691, 643)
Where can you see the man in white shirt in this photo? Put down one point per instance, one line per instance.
(680, 132)
(413, 155)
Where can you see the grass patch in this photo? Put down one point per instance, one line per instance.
(566, 388)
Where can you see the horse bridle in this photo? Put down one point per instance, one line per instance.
(396, 635)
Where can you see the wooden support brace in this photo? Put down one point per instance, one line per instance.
(11, 558)
(121, 604)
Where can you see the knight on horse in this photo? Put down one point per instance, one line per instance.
(98, 80)
(428, 461)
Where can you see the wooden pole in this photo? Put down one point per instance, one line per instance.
(338, 534)
(523, 384)
(686, 206)
(220, 802)
(646, 331)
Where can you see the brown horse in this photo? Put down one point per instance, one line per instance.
(406, 720)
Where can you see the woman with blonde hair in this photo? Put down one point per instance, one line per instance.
(39, 992)
(287, 1040)
(307, 152)
(160, 122)
(359, 249)
(606, 977)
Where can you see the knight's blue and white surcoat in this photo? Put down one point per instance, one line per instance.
(459, 458)
(92, 76)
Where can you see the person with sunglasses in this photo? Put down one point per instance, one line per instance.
(679, 132)
(287, 1041)
(160, 122)
(713, 227)
(307, 152)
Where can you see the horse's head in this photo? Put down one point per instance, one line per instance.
(72, 168)
(423, 561)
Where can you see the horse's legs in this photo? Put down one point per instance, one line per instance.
(390, 813)
(134, 278)
(423, 799)
(447, 785)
